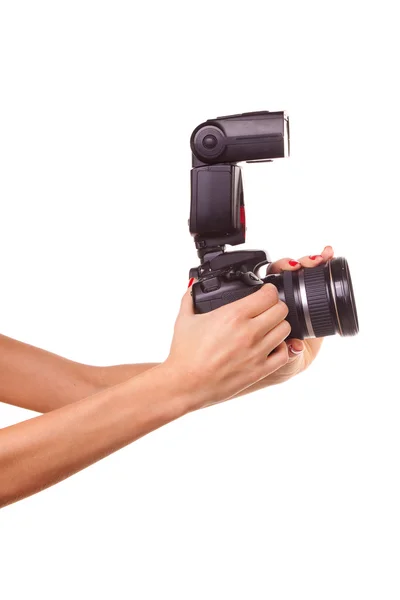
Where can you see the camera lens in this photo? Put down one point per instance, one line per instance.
(320, 299)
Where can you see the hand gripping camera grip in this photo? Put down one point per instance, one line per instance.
(206, 302)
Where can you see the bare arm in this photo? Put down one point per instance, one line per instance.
(212, 358)
(41, 451)
(42, 381)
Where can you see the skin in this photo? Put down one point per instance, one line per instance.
(90, 412)
(306, 350)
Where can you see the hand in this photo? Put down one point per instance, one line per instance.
(301, 352)
(216, 355)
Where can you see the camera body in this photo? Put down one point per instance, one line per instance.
(226, 277)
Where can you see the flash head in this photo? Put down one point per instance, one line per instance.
(252, 137)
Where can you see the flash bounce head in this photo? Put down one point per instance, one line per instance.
(247, 137)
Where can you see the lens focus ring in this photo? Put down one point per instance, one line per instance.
(318, 301)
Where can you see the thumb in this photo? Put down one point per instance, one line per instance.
(187, 301)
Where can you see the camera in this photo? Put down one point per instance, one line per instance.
(320, 299)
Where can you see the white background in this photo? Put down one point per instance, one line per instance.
(292, 492)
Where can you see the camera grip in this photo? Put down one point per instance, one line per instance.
(204, 303)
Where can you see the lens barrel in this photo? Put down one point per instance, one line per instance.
(320, 299)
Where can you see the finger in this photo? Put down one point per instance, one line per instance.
(255, 304)
(317, 259)
(269, 319)
(291, 264)
(295, 347)
(274, 337)
(187, 301)
(311, 261)
(327, 253)
(275, 360)
(284, 264)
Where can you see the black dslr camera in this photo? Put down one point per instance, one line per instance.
(320, 299)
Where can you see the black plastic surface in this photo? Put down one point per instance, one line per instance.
(249, 136)
(215, 200)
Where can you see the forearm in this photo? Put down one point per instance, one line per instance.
(104, 377)
(42, 381)
(40, 452)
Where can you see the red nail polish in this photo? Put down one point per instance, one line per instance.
(293, 263)
(190, 282)
(315, 256)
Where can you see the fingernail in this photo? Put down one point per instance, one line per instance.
(190, 282)
(293, 351)
(293, 263)
(315, 256)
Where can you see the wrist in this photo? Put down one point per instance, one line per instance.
(188, 395)
(169, 382)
